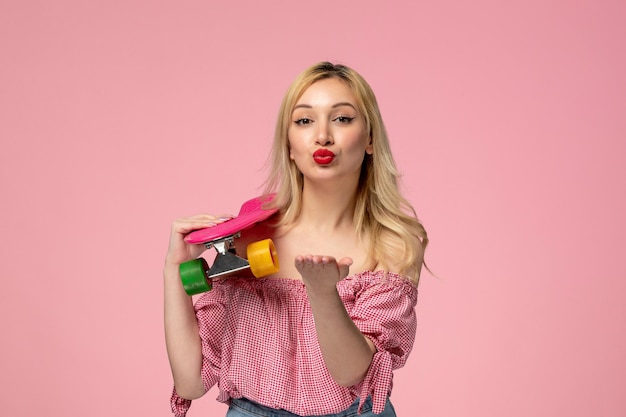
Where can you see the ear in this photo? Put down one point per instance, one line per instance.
(369, 149)
(289, 149)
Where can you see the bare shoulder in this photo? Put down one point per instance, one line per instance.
(393, 265)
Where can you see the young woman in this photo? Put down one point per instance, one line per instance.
(323, 335)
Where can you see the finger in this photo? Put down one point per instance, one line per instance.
(184, 227)
(209, 217)
(318, 259)
(327, 260)
(344, 267)
(347, 261)
(199, 221)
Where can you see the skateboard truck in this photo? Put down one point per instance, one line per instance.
(226, 262)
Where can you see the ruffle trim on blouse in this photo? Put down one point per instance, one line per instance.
(381, 277)
(354, 280)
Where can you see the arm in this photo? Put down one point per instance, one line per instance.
(347, 353)
(384, 311)
(182, 338)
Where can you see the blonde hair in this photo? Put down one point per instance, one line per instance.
(396, 235)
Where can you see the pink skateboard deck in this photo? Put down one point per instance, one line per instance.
(251, 212)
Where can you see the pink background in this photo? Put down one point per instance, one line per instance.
(507, 121)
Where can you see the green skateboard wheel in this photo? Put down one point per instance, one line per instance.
(195, 277)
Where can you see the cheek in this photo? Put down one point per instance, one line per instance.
(359, 142)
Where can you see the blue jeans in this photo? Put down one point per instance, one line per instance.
(241, 407)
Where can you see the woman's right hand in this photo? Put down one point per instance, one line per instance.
(180, 251)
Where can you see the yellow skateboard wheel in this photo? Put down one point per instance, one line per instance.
(263, 258)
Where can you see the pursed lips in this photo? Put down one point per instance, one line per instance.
(323, 156)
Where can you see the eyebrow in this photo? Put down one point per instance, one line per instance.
(340, 104)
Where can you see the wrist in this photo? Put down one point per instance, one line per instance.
(171, 269)
(318, 295)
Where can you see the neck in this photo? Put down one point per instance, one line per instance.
(327, 207)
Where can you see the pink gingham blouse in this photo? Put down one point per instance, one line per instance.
(259, 342)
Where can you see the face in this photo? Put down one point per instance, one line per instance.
(327, 133)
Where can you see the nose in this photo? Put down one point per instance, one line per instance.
(324, 136)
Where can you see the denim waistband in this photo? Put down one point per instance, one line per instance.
(250, 408)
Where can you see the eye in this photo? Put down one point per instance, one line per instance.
(344, 119)
(303, 121)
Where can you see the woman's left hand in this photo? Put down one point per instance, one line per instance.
(320, 274)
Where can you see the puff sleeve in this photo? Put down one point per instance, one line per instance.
(382, 306)
(210, 313)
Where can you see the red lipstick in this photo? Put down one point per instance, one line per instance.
(323, 156)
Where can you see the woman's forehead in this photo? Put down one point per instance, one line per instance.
(328, 91)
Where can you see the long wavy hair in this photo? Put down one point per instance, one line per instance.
(396, 235)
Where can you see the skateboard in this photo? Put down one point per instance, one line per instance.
(262, 259)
